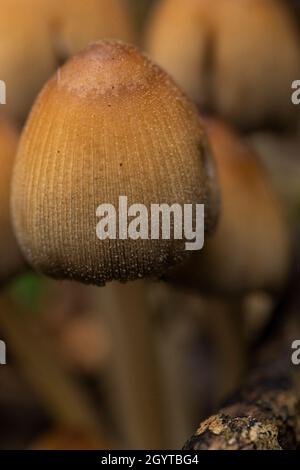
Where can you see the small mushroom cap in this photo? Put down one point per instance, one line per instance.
(36, 36)
(235, 58)
(10, 256)
(26, 54)
(251, 248)
(110, 123)
(76, 23)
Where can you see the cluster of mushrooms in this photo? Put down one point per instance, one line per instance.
(104, 119)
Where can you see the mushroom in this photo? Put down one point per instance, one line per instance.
(111, 123)
(236, 59)
(249, 254)
(38, 35)
(240, 256)
(10, 256)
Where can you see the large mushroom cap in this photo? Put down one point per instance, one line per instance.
(36, 36)
(110, 123)
(10, 256)
(236, 58)
(251, 248)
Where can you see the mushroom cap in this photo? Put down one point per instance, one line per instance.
(251, 248)
(89, 20)
(10, 256)
(235, 58)
(110, 123)
(37, 35)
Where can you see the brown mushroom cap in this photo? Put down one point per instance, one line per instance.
(68, 439)
(110, 123)
(10, 257)
(37, 35)
(236, 58)
(251, 248)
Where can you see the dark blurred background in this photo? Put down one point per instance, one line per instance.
(78, 375)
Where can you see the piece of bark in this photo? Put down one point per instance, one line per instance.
(265, 415)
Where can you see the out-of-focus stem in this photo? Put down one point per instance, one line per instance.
(135, 365)
(62, 396)
(227, 326)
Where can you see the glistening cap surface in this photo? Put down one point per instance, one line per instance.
(110, 123)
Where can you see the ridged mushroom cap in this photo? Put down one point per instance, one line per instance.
(36, 36)
(110, 123)
(10, 256)
(251, 248)
(236, 58)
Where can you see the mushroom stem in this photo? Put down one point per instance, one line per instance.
(62, 396)
(228, 327)
(137, 377)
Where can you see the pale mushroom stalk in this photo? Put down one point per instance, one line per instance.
(136, 373)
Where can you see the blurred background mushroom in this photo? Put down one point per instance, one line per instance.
(38, 35)
(239, 258)
(238, 261)
(235, 59)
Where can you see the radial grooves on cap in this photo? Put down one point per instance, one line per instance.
(109, 124)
